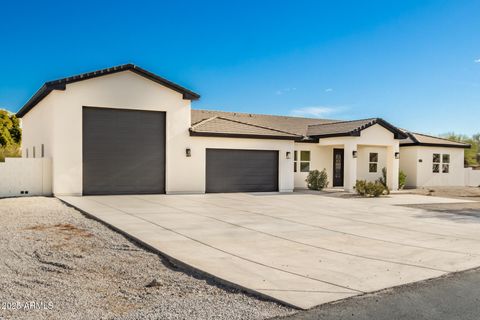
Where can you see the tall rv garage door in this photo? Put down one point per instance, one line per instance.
(123, 151)
(241, 170)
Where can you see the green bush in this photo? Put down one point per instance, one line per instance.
(317, 180)
(12, 151)
(370, 189)
(402, 180)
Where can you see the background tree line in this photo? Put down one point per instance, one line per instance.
(10, 135)
(472, 155)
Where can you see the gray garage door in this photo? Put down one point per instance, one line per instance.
(123, 151)
(241, 170)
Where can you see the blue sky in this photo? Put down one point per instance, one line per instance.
(412, 63)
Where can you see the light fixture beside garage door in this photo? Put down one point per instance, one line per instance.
(188, 152)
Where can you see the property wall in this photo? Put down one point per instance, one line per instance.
(22, 174)
(472, 177)
(364, 160)
(409, 165)
(423, 158)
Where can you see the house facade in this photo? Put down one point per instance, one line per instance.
(124, 130)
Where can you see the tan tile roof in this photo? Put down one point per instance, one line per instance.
(226, 126)
(294, 125)
(423, 139)
(340, 127)
(209, 122)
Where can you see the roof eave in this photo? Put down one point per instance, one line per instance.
(442, 145)
(239, 135)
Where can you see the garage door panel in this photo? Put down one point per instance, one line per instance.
(123, 151)
(230, 170)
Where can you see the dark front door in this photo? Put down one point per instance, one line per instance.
(338, 156)
(123, 151)
(233, 170)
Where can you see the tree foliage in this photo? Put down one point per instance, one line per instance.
(10, 135)
(10, 131)
(472, 154)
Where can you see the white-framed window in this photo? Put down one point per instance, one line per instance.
(445, 163)
(304, 161)
(26, 152)
(373, 162)
(33, 151)
(295, 159)
(43, 151)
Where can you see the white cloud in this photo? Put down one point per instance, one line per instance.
(286, 90)
(316, 111)
(477, 60)
(328, 90)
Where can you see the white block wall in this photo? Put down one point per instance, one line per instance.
(25, 174)
(472, 177)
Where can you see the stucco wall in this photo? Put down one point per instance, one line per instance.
(58, 121)
(25, 175)
(191, 177)
(363, 162)
(472, 177)
(320, 158)
(409, 165)
(424, 176)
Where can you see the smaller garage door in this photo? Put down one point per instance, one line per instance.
(231, 170)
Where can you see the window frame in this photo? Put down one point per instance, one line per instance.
(305, 162)
(295, 160)
(372, 164)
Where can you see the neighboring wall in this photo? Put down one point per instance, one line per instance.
(21, 176)
(422, 158)
(472, 177)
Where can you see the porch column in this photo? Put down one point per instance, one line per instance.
(393, 166)
(350, 170)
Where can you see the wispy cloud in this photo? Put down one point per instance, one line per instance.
(477, 60)
(328, 90)
(316, 111)
(283, 91)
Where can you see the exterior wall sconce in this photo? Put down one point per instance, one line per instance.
(188, 152)
(420, 160)
(354, 154)
(397, 155)
(288, 155)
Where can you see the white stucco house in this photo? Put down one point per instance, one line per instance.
(124, 130)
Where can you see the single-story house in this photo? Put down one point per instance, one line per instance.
(124, 130)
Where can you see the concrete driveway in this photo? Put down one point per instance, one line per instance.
(300, 249)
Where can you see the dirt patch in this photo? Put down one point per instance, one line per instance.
(72, 267)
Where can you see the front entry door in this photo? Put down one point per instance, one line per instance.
(338, 156)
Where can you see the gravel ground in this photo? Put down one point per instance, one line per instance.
(73, 267)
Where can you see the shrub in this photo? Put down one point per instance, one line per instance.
(369, 189)
(402, 180)
(317, 180)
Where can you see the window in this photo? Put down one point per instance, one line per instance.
(304, 161)
(436, 163)
(295, 155)
(34, 152)
(43, 151)
(373, 162)
(445, 163)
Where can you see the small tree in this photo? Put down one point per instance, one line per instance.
(383, 180)
(317, 180)
(402, 180)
